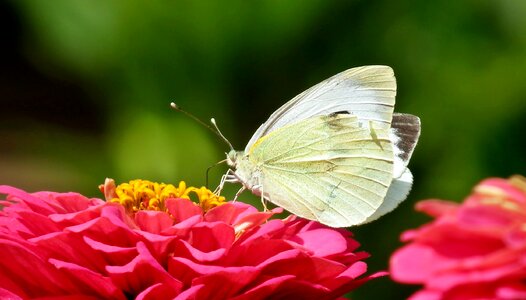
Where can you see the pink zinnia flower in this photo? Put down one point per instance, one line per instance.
(149, 241)
(473, 250)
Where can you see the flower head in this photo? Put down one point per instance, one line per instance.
(150, 241)
(473, 250)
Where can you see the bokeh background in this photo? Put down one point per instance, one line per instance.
(85, 88)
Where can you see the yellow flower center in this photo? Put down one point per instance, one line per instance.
(146, 195)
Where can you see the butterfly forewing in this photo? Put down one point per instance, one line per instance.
(367, 92)
(329, 168)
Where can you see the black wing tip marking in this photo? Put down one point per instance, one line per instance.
(407, 128)
(341, 112)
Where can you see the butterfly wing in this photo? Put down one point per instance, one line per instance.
(367, 92)
(326, 168)
(404, 133)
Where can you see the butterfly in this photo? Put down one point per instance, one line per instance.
(336, 153)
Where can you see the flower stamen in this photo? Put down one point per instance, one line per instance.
(141, 194)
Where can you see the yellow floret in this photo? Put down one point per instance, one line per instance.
(146, 195)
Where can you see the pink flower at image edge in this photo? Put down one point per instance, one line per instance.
(64, 244)
(473, 250)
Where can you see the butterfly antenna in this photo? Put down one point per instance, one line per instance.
(209, 168)
(213, 121)
(215, 129)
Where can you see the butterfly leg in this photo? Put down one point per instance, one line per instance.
(227, 177)
(263, 200)
(219, 188)
(239, 193)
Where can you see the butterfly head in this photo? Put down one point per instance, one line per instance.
(232, 158)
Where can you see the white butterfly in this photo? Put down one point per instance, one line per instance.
(335, 153)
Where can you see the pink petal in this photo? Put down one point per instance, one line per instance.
(79, 217)
(186, 270)
(311, 269)
(64, 203)
(416, 263)
(324, 242)
(225, 283)
(504, 187)
(211, 236)
(153, 221)
(183, 228)
(283, 256)
(427, 295)
(285, 287)
(70, 247)
(112, 255)
(21, 262)
(154, 292)
(242, 215)
(29, 224)
(190, 293)
(265, 231)
(350, 279)
(5, 294)
(88, 282)
(32, 202)
(353, 272)
(229, 212)
(184, 249)
(475, 274)
(141, 273)
(454, 241)
(436, 208)
(512, 290)
(159, 245)
(250, 254)
(490, 216)
(182, 209)
(247, 222)
(265, 289)
(112, 227)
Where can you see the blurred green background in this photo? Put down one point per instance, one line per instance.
(85, 89)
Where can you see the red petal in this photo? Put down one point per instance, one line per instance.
(436, 208)
(416, 263)
(153, 221)
(324, 242)
(182, 209)
(225, 283)
(20, 264)
(88, 282)
(143, 272)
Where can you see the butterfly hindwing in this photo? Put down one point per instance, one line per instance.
(404, 134)
(329, 168)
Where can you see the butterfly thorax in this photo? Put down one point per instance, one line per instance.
(246, 171)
